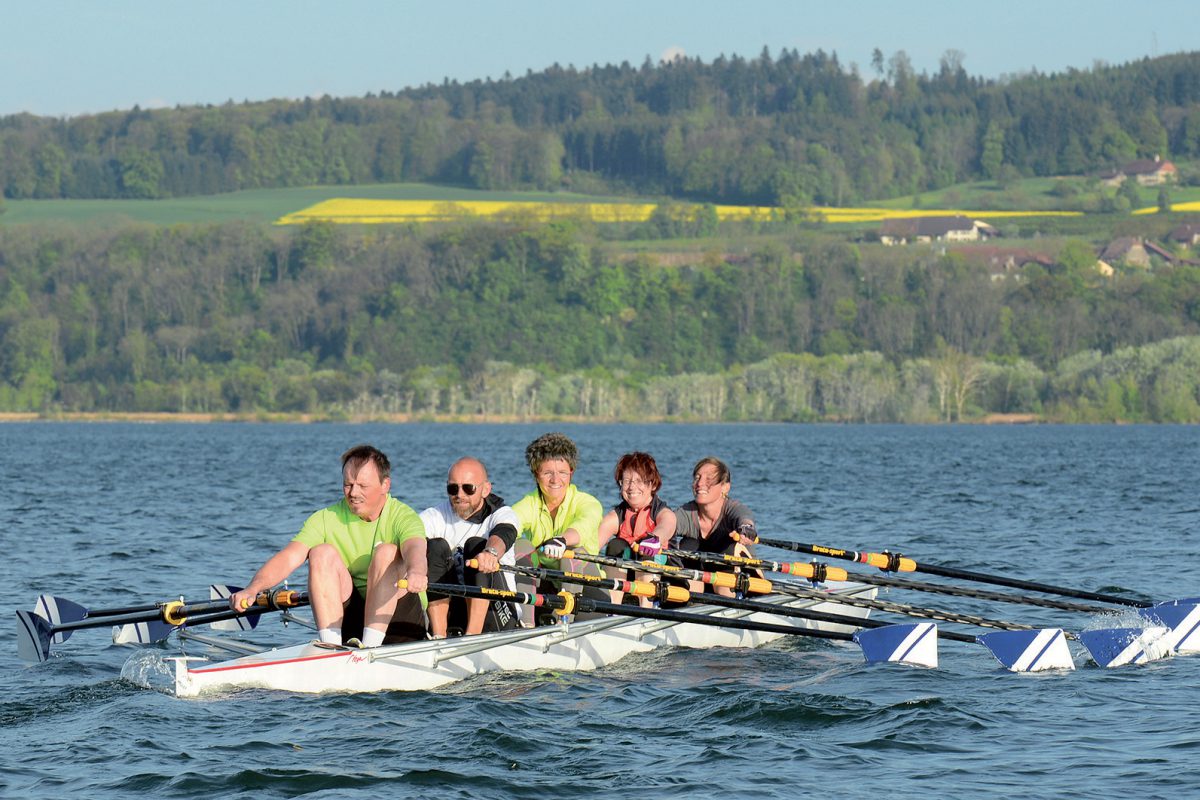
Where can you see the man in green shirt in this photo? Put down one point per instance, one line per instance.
(356, 551)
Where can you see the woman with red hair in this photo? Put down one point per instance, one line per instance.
(641, 525)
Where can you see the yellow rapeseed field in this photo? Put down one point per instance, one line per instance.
(1192, 206)
(374, 212)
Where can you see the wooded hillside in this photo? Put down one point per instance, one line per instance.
(778, 130)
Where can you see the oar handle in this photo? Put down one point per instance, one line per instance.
(657, 591)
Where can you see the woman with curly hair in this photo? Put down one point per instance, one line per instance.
(557, 516)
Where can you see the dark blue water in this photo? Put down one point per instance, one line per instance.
(110, 514)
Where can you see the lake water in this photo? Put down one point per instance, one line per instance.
(113, 514)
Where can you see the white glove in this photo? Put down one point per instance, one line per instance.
(555, 547)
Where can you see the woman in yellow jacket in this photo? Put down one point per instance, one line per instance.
(557, 516)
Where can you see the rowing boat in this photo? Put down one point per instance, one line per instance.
(315, 667)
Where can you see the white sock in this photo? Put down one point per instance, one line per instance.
(372, 637)
(330, 635)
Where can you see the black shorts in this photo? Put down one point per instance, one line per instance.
(407, 625)
(446, 566)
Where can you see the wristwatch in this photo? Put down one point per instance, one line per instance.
(491, 550)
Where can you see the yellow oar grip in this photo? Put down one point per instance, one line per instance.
(678, 594)
(642, 589)
(759, 586)
(402, 583)
(804, 570)
(171, 615)
(283, 599)
(729, 580)
(726, 580)
(882, 561)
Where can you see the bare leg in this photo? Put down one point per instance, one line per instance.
(476, 615)
(329, 585)
(439, 614)
(382, 593)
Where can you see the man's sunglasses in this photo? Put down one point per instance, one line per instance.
(468, 489)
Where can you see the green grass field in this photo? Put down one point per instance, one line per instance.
(268, 205)
(1028, 194)
(257, 205)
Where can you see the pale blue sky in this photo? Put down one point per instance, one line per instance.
(69, 57)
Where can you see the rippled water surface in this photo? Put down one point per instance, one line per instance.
(114, 514)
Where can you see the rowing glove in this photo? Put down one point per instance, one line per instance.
(555, 547)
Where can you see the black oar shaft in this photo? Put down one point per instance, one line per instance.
(588, 605)
(910, 565)
(905, 583)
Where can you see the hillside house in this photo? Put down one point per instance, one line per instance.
(1135, 251)
(1002, 262)
(1187, 235)
(1146, 171)
(934, 229)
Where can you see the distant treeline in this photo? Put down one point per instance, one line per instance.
(531, 319)
(770, 130)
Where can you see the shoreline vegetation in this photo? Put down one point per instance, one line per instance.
(403, 419)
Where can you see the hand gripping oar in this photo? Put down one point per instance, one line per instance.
(914, 644)
(35, 633)
(1020, 651)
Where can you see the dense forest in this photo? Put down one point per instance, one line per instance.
(779, 130)
(522, 320)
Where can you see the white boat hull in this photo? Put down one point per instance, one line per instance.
(415, 666)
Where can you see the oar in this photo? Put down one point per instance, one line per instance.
(59, 610)
(35, 633)
(819, 573)
(894, 562)
(662, 592)
(914, 643)
(1046, 651)
(1109, 647)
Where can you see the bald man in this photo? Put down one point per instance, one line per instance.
(471, 523)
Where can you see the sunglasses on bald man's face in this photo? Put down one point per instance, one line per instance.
(468, 489)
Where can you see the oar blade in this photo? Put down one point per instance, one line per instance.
(33, 637)
(151, 632)
(221, 591)
(59, 610)
(1182, 619)
(1029, 651)
(1116, 647)
(911, 643)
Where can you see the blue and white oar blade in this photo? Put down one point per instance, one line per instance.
(150, 632)
(33, 637)
(911, 643)
(1116, 647)
(221, 591)
(59, 610)
(1029, 651)
(1182, 618)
